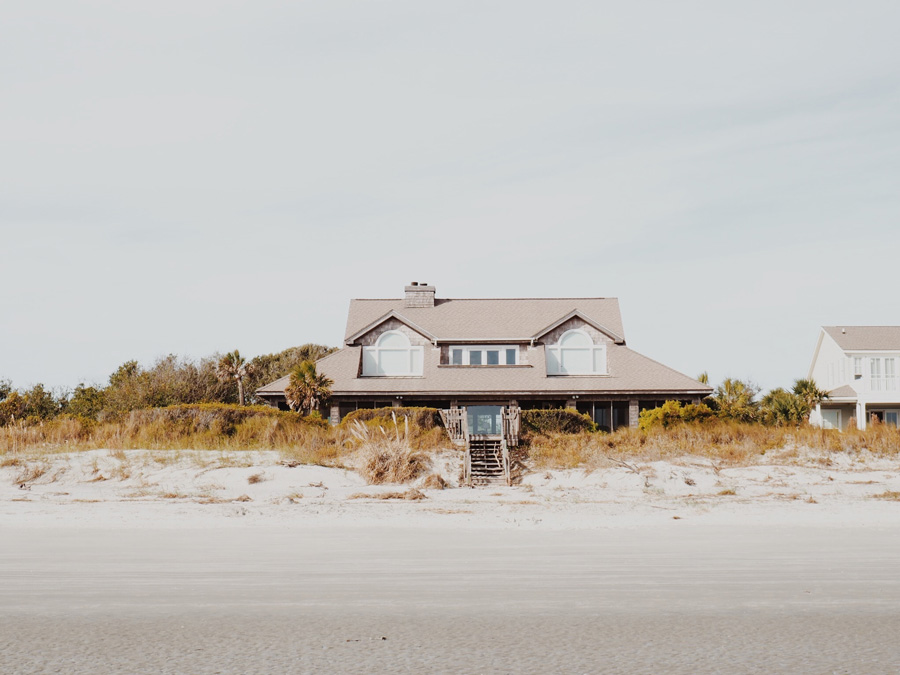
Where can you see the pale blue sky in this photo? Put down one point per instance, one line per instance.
(193, 177)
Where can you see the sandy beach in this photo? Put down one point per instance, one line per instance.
(195, 566)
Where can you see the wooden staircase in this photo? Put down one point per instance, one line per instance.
(487, 457)
(486, 461)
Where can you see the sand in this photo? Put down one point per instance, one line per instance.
(162, 572)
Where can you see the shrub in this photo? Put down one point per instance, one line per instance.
(672, 412)
(419, 418)
(557, 421)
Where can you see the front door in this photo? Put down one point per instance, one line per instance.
(485, 420)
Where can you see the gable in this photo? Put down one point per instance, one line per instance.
(390, 321)
(577, 320)
(371, 335)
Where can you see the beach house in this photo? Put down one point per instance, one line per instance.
(858, 367)
(485, 354)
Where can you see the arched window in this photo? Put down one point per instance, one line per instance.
(576, 354)
(393, 355)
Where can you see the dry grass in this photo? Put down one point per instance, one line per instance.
(726, 493)
(434, 481)
(889, 495)
(723, 443)
(256, 478)
(200, 427)
(31, 471)
(386, 456)
(410, 495)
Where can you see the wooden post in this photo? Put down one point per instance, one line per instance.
(634, 412)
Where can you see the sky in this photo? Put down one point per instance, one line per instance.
(193, 177)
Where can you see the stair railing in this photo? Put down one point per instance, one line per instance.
(505, 450)
(467, 462)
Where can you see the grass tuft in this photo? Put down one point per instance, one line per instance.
(410, 495)
(386, 456)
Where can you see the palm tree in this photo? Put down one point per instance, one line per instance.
(233, 366)
(782, 407)
(307, 388)
(735, 400)
(809, 393)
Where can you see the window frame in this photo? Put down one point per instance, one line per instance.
(502, 355)
(415, 356)
(557, 351)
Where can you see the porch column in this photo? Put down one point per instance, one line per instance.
(861, 420)
(335, 415)
(634, 411)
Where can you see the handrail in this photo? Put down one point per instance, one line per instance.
(505, 450)
(463, 416)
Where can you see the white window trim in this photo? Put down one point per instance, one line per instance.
(557, 350)
(466, 349)
(411, 350)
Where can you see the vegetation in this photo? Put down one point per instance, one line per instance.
(169, 381)
(673, 412)
(386, 455)
(564, 421)
(421, 418)
(307, 389)
(722, 442)
(233, 366)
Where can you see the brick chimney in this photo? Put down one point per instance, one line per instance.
(419, 295)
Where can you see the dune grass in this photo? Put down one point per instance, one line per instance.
(726, 443)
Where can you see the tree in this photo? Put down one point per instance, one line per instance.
(703, 378)
(86, 402)
(269, 367)
(809, 392)
(780, 407)
(233, 366)
(307, 388)
(735, 399)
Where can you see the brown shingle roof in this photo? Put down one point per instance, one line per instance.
(843, 392)
(631, 372)
(876, 338)
(488, 319)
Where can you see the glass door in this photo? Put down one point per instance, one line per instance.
(485, 420)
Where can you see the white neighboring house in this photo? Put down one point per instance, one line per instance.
(859, 367)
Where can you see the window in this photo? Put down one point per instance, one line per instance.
(890, 375)
(393, 355)
(484, 356)
(576, 354)
(857, 367)
(831, 419)
(875, 369)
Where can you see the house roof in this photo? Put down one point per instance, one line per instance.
(486, 319)
(631, 372)
(843, 392)
(865, 338)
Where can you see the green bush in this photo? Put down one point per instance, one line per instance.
(560, 421)
(672, 412)
(423, 418)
